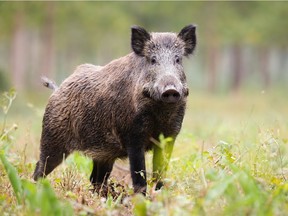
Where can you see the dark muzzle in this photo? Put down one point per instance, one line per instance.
(170, 95)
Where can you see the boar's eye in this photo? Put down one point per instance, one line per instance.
(177, 59)
(153, 60)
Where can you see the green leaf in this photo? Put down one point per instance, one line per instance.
(13, 176)
(140, 205)
(220, 187)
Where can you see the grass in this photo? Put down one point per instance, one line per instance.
(230, 159)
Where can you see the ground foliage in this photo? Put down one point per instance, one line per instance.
(230, 159)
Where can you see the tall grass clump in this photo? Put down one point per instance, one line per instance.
(29, 198)
(231, 179)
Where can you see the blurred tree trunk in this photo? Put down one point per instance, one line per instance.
(213, 58)
(212, 44)
(237, 67)
(48, 53)
(264, 66)
(283, 69)
(18, 51)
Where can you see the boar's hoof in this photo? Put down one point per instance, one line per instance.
(170, 96)
(139, 189)
(159, 185)
(100, 189)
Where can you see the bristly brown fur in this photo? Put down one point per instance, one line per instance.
(113, 111)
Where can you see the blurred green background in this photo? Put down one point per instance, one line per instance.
(241, 45)
(236, 114)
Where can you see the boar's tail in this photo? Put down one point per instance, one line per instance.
(49, 83)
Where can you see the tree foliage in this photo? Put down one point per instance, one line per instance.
(95, 31)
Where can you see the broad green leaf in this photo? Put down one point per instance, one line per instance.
(13, 176)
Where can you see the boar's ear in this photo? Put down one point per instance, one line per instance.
(139, 36)
(188, 35)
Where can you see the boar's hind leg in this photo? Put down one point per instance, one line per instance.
(48, 162)
(100, 173)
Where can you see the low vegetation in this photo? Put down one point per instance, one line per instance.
(230, 159)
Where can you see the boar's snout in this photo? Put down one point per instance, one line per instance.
(170, 95)
(168, 89)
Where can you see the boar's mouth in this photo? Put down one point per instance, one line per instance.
(169, 96)
(146, 92)
(186, 92)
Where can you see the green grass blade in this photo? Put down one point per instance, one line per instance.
(220, 187)
(13, 176)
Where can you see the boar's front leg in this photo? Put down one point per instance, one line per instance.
(136, 155)
(100, 173)
(161, 158)
(50, 157)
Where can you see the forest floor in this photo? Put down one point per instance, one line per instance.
(231, 158)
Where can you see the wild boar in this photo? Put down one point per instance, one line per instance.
(119, 110)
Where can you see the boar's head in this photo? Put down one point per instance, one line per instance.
(162, 76)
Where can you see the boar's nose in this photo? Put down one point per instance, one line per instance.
(170, 95)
